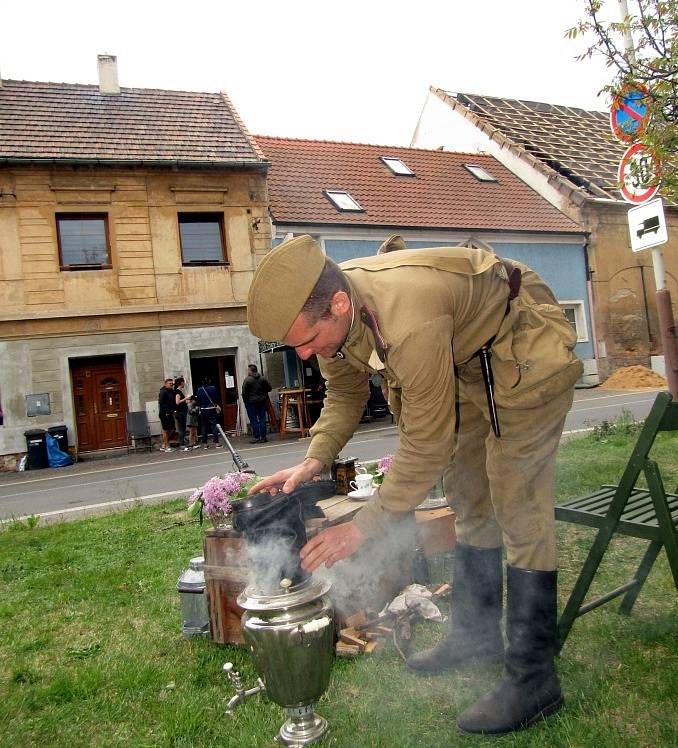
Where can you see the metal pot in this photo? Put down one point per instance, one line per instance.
(291, 637)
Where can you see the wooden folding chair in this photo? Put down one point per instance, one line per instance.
(648, 513)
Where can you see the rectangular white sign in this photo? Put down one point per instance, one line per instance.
(647, 225)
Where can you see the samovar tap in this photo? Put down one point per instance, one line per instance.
(241, 693)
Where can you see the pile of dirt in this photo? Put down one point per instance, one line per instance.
(633, 378)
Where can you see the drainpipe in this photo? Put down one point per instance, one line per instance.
(592, 313)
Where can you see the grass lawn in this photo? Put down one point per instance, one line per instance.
(91, 652)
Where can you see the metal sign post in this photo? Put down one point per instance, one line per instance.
(639, 172)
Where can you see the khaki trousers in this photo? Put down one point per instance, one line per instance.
(502, 490)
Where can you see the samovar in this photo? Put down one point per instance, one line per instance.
(288, 622)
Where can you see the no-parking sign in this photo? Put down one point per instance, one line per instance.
(630, 112)
(638, 175)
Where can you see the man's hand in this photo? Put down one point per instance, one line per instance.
(331, 545)
(287, 480)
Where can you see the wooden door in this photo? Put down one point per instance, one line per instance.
(100, 398)
(229, 394)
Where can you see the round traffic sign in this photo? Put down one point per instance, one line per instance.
(630, 112)
(638, 175)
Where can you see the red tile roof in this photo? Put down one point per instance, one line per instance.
(576, 145)
(69, 122)
(442, 195)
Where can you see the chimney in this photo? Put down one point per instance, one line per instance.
(108, 75)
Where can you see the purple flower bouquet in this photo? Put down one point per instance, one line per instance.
(215, 498)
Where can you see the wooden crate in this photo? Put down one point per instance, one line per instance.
(225, 578)
(226, 564)
(435, 530)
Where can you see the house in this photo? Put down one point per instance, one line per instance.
(570, 157)
(352, 196)
(131, 221)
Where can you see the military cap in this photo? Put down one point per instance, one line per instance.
(392, 244)
(282, 283)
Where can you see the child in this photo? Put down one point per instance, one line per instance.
(192, 418)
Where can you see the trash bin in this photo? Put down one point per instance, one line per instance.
(36, 450)
(60, 433)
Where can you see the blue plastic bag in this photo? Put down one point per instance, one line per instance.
(55, 457)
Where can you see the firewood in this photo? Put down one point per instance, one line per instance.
(443, 590)
(371, 623)
(346, 650)
(349, 636)
(373, 646)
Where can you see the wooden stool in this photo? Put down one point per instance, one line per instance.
(293, 398)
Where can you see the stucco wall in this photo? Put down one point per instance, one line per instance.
(624, 286)
(142, 207)
(42, 366)
(177, 346)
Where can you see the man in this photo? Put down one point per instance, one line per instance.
(432, 321)
(208, 401)
(255, 389)
(166, 406)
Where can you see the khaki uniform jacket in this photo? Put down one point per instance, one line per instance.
(435, 309)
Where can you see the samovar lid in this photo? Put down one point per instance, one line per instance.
(288, 597)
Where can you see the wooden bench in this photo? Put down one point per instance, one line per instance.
(648, 513)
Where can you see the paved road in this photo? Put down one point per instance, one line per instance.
(118, 482)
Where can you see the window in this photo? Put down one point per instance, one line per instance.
(574, 311)
(397, 166)
(83, 241)
(202, 238)
(343, 201)
(481, 174)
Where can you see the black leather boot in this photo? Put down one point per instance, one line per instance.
(475, 618)
(529, 688)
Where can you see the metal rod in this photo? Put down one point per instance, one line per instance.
(238, 461)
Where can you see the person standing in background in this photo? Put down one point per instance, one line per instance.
(180, 410)
(255, 391)
(192, 419)
(166, 406)
(208, 400)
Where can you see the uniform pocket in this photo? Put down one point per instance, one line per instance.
(533, 359)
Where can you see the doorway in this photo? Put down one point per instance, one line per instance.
(100, 402)
(220, 370)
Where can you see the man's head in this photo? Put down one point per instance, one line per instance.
(169, 383)
(252, 369)
(301, 297)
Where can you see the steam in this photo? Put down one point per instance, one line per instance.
(272, 557)
(375, 574)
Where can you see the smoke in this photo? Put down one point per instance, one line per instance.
(375, 574)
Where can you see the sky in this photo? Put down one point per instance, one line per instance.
(352, 70)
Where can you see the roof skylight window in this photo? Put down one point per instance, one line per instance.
(481, 174)
(397, 166)
(343, 201)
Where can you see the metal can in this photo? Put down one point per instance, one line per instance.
(343, 472)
